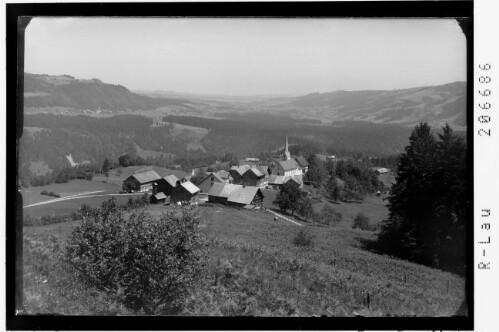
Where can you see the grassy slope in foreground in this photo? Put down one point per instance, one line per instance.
(254, 268)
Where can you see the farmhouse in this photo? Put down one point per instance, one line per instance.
(141, 182)
(236, 172)
(236, 195)
(211, 178)
(276, 181)
(184, 193)
(165, 185)
(381, 170)
(254, 177)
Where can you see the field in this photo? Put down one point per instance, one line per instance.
(253, 268)
(32, 195)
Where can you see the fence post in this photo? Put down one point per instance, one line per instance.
(368, 301)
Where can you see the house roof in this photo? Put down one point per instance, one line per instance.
(243, 195)
(263, 169)
(222, 189)
(218, 177)
(276, 179)
(281, 179)
(289, 165)
(190, 187)
(160, 195)
(147, 176)
(297, 178)
(256, 171)
(301, 161)
(240, 169)
(223, 174)
(171, 179)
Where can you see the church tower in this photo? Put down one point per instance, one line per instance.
(287, 155)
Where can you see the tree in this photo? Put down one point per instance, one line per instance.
(335, 194)
(288, 197)
(428, 204)
(105, 168)
(317, 172)
(332, 188)
(305, 208)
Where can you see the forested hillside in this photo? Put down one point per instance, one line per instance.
(66, 91)
(434, 104)
(93, 139)
(255, 133)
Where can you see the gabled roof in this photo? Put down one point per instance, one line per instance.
(171, 179)
(223, 174)
(263, 169)
(289, 165)
(277, 179)
(217, 176)
(240, 169)
(190, 187)
(297, 178)
(146, 177)
(160, 195)
(255, 171)
(281, 179)
(222, 189)
(243, 195)
(301, 161)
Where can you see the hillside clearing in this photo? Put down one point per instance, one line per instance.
(267, 275)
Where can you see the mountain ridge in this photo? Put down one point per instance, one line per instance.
(437, 104)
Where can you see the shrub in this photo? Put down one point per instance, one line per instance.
(148, 262)
(53, 194)
(329, 215)
(362, 221)
(44, 220)
(302, 238)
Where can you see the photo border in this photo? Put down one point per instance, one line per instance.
(15, 14)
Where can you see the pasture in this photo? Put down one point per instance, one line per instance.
(32, 195)
(254, 268)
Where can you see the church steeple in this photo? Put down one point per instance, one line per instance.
(287, 155)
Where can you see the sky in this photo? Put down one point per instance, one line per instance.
(249, 56)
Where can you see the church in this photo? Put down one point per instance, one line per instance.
(290, 166)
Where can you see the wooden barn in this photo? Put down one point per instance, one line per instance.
(184, 193)
(276, 181)
(254, 177)
(165, 185)
(236, 172)
(141, 181)
(206, 184)
(234, 194)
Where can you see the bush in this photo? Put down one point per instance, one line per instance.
(328, 215)
(149, 263)
(44, 220)
(302, 238)
(362, 221)
(53, 194)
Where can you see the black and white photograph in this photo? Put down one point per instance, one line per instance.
(245, 166)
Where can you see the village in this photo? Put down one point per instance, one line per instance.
(240, 186)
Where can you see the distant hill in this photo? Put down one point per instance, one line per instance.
(69, 92)
(434, 104)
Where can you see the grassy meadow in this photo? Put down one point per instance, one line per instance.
(254, 268)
